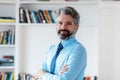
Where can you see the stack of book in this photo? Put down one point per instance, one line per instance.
(90, 78)
(6, 76)
(7, 37)
(25, 76)
(4, 19)
(40, 16)
(7, 60)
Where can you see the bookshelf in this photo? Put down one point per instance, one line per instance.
(7, 42)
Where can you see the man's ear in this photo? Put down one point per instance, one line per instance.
(76, 27)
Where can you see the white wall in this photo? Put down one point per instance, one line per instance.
(110, 43)
(35, 41)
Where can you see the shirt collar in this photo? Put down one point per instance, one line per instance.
(68, 41)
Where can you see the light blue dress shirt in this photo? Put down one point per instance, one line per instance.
(73, 54)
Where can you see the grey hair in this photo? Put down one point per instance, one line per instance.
(70, 11)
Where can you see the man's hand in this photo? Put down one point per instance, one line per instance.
(39, 75)
(63, 69)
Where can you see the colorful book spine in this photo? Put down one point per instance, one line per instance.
(8, 19)
(7, 37)
(40, 16)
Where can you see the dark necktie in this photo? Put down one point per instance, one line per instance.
(53, 62)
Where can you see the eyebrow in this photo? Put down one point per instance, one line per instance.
(64, 21)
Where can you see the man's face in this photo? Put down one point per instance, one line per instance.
(65, 26)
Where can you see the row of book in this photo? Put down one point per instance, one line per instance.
(7, 37)
(40, 16)
(4, 19)
(6, 75)
(7, 60)
(24, 76)
(90, 78)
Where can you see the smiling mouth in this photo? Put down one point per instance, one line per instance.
(63, 32)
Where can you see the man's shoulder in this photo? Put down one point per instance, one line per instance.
(53, 46)
(79, 44)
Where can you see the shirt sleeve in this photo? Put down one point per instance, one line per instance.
(76, 66)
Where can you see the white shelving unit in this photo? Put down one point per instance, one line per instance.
(7, 9)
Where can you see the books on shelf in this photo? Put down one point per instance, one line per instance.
(40, 16)
(25, 76)
(6, 75)
(7, 37)
(90, 78)
(7, 60)
(7, 20)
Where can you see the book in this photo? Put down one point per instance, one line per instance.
(47, 17)
(4, 19)
(11, 36)
(53, 15)
(7, 20)
(7, 60)
(6, 75)
(1, 35)
(7, 37)
(22, 15)
(42, 16)
(90, 78)
(35, 17)
(27, 13)
(25, 76)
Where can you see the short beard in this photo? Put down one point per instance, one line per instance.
(64, 36)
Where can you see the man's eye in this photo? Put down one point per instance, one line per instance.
(69, 23)
(60, 23)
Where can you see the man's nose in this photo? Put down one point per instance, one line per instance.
(63, 26)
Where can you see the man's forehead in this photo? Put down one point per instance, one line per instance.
(65, 20)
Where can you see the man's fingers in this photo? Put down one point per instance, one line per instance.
(65, 67)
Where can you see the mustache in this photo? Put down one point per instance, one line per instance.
(63, 30)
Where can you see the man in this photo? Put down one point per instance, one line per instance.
(70, 61)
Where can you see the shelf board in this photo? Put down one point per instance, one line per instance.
(7, 24)
(6, 68)
(37, 24)
(7, 46)
(58, 2)
(110, 4)
(50, 25)
(7, 1)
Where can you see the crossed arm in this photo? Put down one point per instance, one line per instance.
(42, 72)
